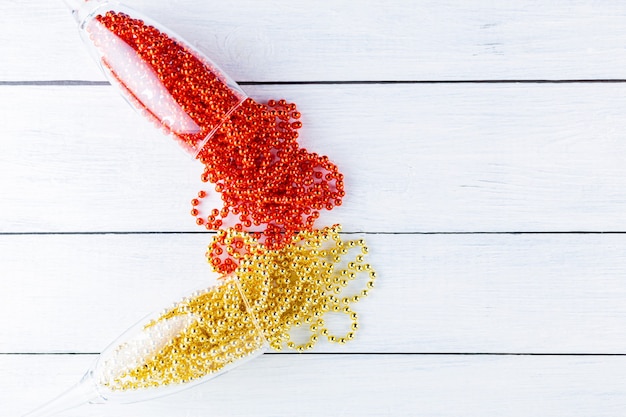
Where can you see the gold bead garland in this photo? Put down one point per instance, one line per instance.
(249, 150)
(297, 285)
(270, 293)
(213, 329)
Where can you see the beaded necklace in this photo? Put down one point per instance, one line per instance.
(251, 155)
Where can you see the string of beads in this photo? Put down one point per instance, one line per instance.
(295, 286)
(271, 293)
(192, 87)
(285, 277)
(266, 180)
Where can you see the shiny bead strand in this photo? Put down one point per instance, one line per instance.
(291, 275)
(297, 285)
(267, 181)
(219, 332)
(192, 82)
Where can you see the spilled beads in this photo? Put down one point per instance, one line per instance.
(249, 150)
(295, 286)
(284, 276)
(266, 180)
(271, 293)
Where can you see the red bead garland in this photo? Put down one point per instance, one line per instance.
(264, 177)
(266, 180)
(165, 67)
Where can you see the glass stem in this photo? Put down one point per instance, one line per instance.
(81, 393)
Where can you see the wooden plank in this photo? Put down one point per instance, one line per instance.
(513, 157)
(436, 293)
(364, 385)
(336, 40)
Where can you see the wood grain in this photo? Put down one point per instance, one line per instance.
(417, 158)
(355, 385)
(332, 40)
(436, 293)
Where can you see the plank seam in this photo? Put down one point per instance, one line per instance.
(577, 354)
(80, 83)
(554, 232)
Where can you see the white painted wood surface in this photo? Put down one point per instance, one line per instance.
(477, 157)
(358, 385)
(472, 197)
(347, 40)
(497, 293)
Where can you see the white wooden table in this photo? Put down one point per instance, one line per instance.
(484, 149)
